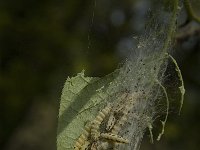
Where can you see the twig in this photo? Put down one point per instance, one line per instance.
(191, 13)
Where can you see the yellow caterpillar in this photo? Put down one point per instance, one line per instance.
(82, 140)
(128, 106)
(109, 140)
(114, 138)
(97, 122)
(117, 109)
(91, 130)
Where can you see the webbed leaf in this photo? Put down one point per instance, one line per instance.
(83, 97)
(80, 101)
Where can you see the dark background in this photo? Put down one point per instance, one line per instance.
(44, 41)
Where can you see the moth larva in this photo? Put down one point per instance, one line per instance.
(128, 106)
(97, 122)
(120, 104)
(94, 146)
(117, 108)
(82, 138)
(111, 122)
(103, 146)
(119, 124)
(85, 146)
(114, 137)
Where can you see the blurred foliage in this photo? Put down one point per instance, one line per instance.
(42, 42)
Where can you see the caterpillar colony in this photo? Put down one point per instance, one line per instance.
(114, 116)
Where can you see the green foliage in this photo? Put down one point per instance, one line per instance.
(80, 101)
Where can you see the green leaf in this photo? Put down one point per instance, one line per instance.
(80, 101)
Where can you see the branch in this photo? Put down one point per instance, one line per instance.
(190, 12)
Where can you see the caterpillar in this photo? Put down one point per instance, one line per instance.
(91, 129)
(104, 146)
(114, 138)
(111, 122)
(117, 109)
(128, 106)
(109, 140)
(117, 119)
(97, 122)
(85, 146)
(82, 140)
(123, 107)
(96, 136)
